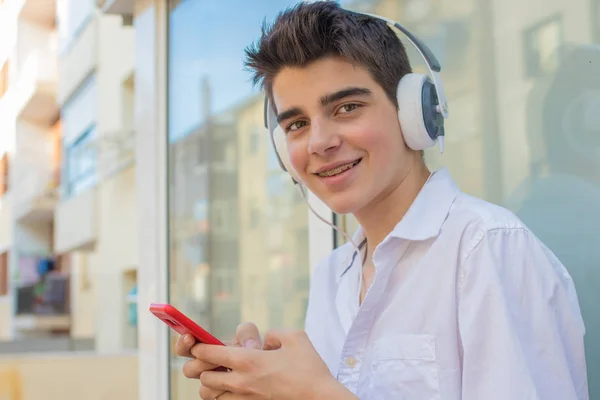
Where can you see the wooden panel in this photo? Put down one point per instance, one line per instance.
(4, 274)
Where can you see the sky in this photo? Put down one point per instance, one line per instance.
(207, 39)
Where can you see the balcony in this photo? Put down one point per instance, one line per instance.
(34, 93)
(118, 7)
(43, 306)
(35, 197)
(75, 222)
(39, 12)
(79, 61)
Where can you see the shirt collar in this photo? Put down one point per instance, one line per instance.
(427, 213)
(425, 216)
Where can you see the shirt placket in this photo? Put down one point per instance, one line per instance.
(353, 352)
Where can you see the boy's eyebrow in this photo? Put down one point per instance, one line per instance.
(326, 100)
(339, 95)
(289, 113)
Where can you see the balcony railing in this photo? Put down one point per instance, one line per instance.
(49, 297)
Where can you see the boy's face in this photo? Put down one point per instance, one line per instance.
(342, 133)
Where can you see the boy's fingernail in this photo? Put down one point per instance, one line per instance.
(251, 344)
(188, 340)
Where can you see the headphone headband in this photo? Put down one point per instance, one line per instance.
(431, 60)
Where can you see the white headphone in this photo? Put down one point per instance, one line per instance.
(422, 106)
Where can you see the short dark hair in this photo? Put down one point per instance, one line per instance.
(308, 32)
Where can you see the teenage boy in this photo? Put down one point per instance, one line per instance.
(450, 298)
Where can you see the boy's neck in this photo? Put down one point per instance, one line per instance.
(379, 218)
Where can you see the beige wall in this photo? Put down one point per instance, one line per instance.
(6, 236)
(5, 318)
(76, 222)
(82, 297)
(70, 377)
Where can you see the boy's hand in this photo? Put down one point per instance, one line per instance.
(246, 335)
(290, 369)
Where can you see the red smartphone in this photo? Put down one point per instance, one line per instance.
(182, 324)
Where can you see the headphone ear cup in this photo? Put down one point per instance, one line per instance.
(420, 122)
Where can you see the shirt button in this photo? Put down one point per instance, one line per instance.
(351, 362)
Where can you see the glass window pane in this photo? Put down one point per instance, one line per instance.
(238, 227)
(524, 99)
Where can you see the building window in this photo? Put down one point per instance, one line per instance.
(81, 163)
(541, 44)
(72, 17)
(78, 124)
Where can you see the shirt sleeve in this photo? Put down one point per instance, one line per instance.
(519, 322)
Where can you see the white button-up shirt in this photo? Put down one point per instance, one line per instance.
(466, 303)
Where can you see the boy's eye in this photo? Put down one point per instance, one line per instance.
(296, 125)
(347, 108)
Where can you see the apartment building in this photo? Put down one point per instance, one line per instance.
(95, 218)
(31, 155)
(68, 232)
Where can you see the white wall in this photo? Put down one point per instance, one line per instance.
(80, 111)
(8, 29)
(114, 254)
(6, 237)
(72, 14)
(76, 222)
(78, 61)
(33, 239)
(33, 161)
(150, 123)
(34, 38)
(115, 65)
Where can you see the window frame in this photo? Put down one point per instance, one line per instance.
(76, 152)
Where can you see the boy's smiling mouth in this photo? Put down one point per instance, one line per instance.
(338, 169)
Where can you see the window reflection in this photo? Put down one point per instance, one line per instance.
(523, 133)
(238, 228)
(524, 128)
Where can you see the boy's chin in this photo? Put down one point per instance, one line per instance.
(342, 205)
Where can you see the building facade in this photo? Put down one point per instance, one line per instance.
(68, 230)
